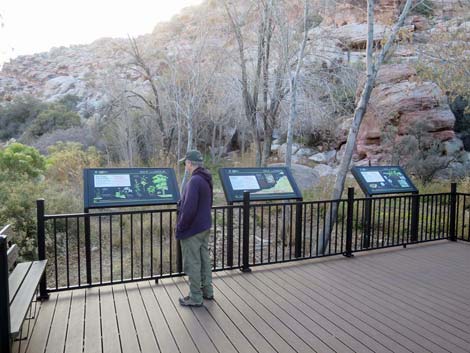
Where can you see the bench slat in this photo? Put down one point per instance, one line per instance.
(12, 256)
(19, 306)
(17, 277)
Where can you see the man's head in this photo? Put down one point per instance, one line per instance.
(193, 160)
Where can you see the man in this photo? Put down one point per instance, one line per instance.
(194, 223)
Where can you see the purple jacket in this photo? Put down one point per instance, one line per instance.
(195, 206)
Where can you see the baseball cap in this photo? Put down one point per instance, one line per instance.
(193, 156)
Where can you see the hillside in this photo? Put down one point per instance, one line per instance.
(198, 48)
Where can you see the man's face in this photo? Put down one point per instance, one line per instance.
(187, 166)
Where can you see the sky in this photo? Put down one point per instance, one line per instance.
(33, 26)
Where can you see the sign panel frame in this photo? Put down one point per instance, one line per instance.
(237, 180)
(123, 179)
(383, 180)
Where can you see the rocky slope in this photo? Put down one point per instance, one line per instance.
(399, 99)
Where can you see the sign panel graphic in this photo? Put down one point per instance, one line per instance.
(383, 180)
(118, 187)
(263, 183)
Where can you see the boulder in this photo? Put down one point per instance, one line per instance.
(281, 152)
(324, 157)
(305, 177)
(398, 102)
(324, 170)
(452, 147)
(304, 152)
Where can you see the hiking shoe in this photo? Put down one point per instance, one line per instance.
(188, 301)
(208, 297)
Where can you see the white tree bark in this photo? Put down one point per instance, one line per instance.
(373, 67)
(293, 89)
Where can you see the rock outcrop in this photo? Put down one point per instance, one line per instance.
(400, 100)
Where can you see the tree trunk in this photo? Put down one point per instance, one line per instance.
(293, 90)
(372, 69)
(268, 140)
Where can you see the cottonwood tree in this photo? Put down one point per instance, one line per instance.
(293, 84)
(149, 72)
(263, 88)
(373, 64)
(192, 73)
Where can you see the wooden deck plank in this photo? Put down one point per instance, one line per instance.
(416, 341)
(145, 332)
(263, 300)
(111, 340)
(57, 335)
(410, 292)
(409, 304)
(92, 321)
(237, 318)
(194, 327)
(333, 322)
(263, 327)
(380, 327)
(308, 320)
(396, 300)
(38, 340)
(212, 328)
(349, 323)
(74, 343)
(158, 321)
(130, 342)
(315, 314)
(183, 340)
(379, 302)
(448, 289)
(233, 333)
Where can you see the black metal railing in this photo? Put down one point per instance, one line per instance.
(5, 341)
(92, 249)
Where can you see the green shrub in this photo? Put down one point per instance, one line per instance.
(21, 168)
(17, 114)
(55, 117)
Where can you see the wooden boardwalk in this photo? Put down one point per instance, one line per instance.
(401, 300)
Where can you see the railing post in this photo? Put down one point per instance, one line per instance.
(349, 223)
(230, 235)
(88, 246)
(246, 232)
(5, 342)
(43, 295)
(414, 217)
(453, 211)
(179, 257)
(298, 229)
(368, 222)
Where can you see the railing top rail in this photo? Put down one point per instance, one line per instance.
(4, 229)
(400, 196)
(107, 213)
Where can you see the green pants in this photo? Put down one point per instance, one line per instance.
(196, 264)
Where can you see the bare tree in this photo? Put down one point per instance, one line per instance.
(293, 83)
(373, 66)
(271, 89)
(142, 67)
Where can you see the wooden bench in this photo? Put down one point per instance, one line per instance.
(18, 286)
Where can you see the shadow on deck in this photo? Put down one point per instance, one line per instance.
(401, 300)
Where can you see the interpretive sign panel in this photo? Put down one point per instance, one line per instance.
(262, 183)
(118, 187)
(383, 180)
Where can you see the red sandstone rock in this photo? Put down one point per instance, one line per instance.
(400, 101)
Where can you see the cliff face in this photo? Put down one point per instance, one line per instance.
(399, 99)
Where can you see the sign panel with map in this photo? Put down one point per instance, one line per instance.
(263, 183)
(383, 180)
(117, 187)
